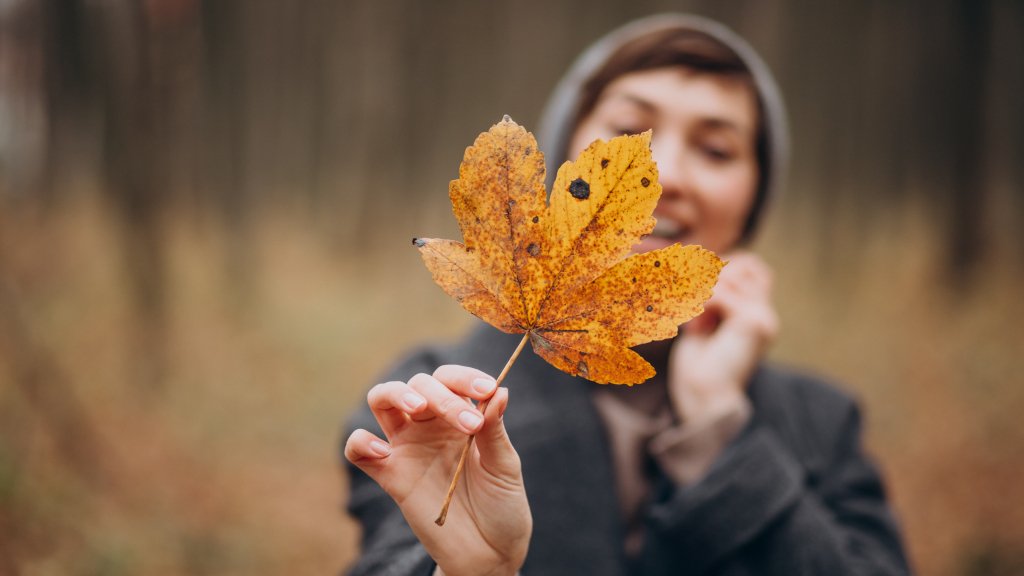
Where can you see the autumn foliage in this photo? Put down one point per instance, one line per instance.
(561, 271)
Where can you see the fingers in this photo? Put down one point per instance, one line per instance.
(466, 381)
(390, 402)
(747, 274)
(395, 404)
(497, 455)
(445, 393)
(742, 300)
(364, 449)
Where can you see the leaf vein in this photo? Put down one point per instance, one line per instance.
(482, 286)
(579, 240)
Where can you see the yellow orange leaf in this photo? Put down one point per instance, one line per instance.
(561, 271)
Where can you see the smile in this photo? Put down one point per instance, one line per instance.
(669, 229)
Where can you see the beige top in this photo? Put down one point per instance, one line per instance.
(640, 425)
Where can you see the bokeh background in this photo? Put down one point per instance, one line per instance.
(205, 214)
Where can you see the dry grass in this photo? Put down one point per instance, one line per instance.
(226, 464)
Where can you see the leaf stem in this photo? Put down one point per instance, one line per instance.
(469, 441)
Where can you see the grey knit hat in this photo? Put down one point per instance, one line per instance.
(556, 124)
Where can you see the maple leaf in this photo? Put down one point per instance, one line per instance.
(561, 272)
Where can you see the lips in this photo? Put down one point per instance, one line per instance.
(670, 229)
(665, 228)
(666, 232)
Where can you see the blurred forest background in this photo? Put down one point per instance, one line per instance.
(205, 214)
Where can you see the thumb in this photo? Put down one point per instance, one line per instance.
(497, 455)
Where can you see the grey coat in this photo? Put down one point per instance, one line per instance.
(792, 495)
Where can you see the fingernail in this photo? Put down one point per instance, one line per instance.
(412, 401)
(379, 448)
(471, 420)
(483, 385)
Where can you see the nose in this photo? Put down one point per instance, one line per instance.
(673, 173)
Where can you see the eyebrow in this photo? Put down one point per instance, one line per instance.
(721, 123)
(647, 105)
(713, 122)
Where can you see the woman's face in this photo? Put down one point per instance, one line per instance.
(704, 129)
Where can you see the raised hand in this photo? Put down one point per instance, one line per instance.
(711, 364)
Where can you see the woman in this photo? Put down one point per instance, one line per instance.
(720, 464)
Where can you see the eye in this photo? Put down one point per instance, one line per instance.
(628, 130)
(717, 153)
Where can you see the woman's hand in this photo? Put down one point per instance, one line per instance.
(426, 422)
(709, 366)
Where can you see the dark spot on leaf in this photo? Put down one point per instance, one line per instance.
(583, 369)
(540, 342)
(533, 249)
(536, 219)
(645, 182)
(634, 279)
(579, 189)
(650, 308)
(657, 263)
(528, 151)
(418, 243)
(604, 163)
(511, 203)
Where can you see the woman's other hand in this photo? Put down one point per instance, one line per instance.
(710, 365)
(426, 422)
